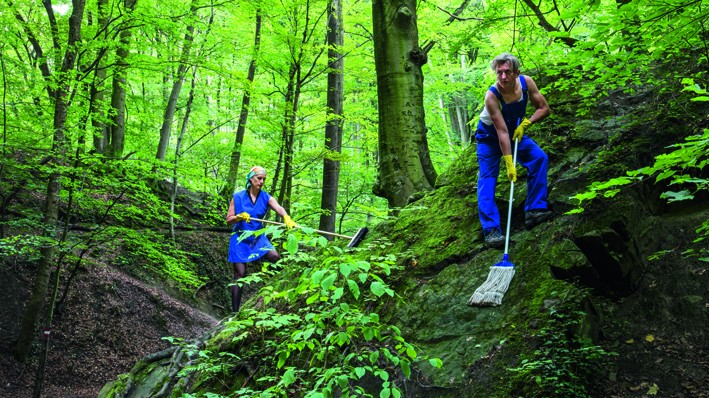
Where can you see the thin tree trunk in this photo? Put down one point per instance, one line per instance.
(185, 120)
(288, 135)
(169, 115)
(333, 129)
(231, 182)
(60, 146)
(442, 108)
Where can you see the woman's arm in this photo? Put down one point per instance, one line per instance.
(273, 204)
(230, 214)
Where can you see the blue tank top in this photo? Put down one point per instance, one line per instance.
(512, 113)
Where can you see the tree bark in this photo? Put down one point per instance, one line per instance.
(169, 115)
(99, 130)
(405, 166)
(231, 180)
(288, 135)
(178, 145)
(333, 128)
(117, 128)
(60, 147)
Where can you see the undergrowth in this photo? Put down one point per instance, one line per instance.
(317, 335)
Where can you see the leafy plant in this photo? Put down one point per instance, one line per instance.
(561, 363)
(160, 258)
(316, 336)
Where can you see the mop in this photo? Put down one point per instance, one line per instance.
(491, 292)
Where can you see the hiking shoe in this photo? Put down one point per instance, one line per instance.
(494, 238)
(535, 217)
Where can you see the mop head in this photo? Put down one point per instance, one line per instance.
(491, 292)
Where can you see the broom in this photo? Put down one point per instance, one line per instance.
(491, 292)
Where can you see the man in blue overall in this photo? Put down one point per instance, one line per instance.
(501, 122)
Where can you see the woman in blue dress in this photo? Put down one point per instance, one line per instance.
(245, 248)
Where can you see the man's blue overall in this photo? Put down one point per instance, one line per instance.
(529, 155)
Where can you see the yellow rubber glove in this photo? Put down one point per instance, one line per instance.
(519, 131)
(242, 217)
(511, 171)
(289, 223)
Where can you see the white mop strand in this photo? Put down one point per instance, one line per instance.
(498, 280)
(493, 289)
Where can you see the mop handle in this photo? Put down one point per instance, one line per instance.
(316, 230)
(509, 208)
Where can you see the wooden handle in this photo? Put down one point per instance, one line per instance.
(317, 230)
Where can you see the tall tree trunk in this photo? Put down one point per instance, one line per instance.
(288, 135)
(405, 166)
(178, 145)
(333, 129)
(97, 92)
(118, 97)
(169, 115)
(60, 146)
(231, 181)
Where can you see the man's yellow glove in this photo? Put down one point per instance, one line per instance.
(511, 171)
(519, 131)
(242, 217)
(289, 223)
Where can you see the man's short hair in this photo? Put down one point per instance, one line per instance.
(506, 57)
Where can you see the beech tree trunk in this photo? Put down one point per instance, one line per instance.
(333, 128)
(117, 128)
(405, 166)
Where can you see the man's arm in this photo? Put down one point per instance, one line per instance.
(537, 99)
(492, 104)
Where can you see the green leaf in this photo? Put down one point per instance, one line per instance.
(360, 371)
(327, 283)
(436, 363)
(345, 269)
(288, 377)
(377, 288)
(292, 245)
(677, 196)
(406, 368)
(395, 392)
(317, 276)
(354, 288)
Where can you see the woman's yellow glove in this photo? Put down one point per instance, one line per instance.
(289, 223)
(511, 171)
(519, 131)
(242, 217)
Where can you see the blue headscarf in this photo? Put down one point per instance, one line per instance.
(256, 170)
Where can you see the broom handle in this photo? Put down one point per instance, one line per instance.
(317, 230)
(509, 208)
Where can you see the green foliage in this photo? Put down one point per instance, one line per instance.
(156, 254)
(561, 363)
(314, 337)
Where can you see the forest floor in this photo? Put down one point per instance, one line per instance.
(102, 331)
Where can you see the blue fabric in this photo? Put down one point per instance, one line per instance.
(529, 155)
(250, 248)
